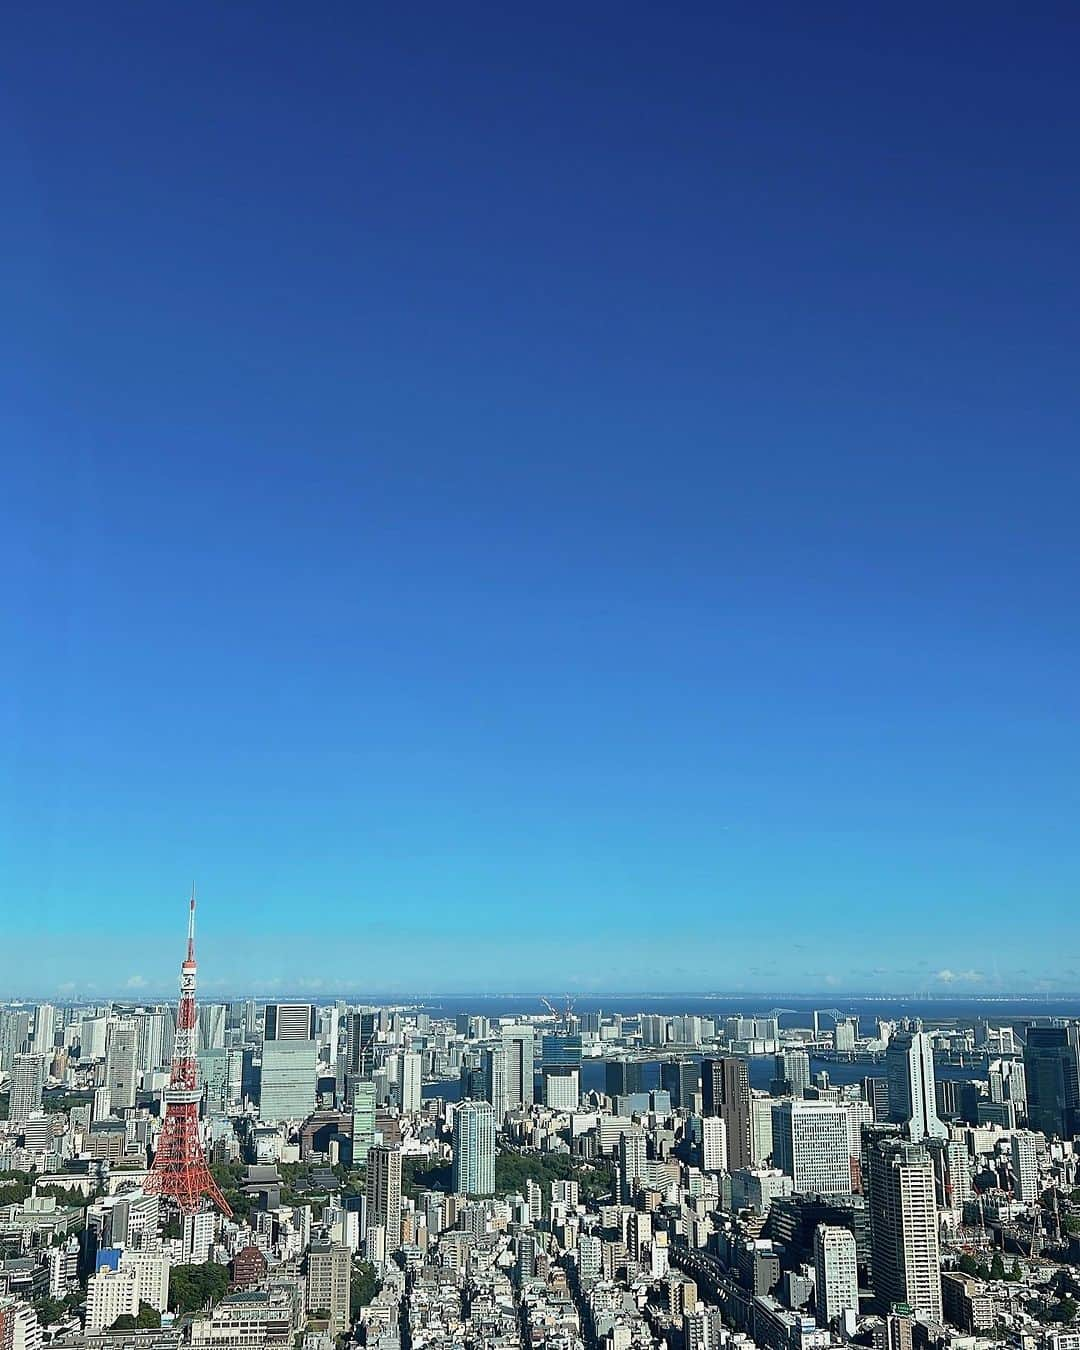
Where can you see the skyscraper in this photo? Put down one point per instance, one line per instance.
(713, 1144)
(363, 1120)
(903, 1227)
(725, 1092)
(1053, 1082)
(495, 1089)
(791, 1073)
(682, 1079)
(121, 1054)
(909, 1068)
(44, 1031)
(409, 1082)
(474, 1148)
(360, 1044)
(561, 1071)
(632, 1163)
(1025, 1166)
(289, 1057)
(836, 1277)
(622, 1077)
(27, 1082)
(384, 1192)
(518, 1047)
(212, 1017)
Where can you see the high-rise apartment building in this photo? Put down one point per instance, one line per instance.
(27, 1083)
(289, 1060)
(1025, 1166)
(474, 1148)
(384, 1192)
(409, 1081)
(713, 1144)
(44, 1031)
(632, 1163)
(14, 1036)
(904, 1228)
(836, 1276)
(725, 1092)
(909, 1069)
(495, 1088)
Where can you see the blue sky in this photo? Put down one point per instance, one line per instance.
(578, 499)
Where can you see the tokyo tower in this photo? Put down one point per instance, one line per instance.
(179, 1170)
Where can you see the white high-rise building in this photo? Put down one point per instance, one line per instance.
(761, 1141)
(111, 1294)
(495, 1084)
(904, 1228)
(93, 1033)
(632, 1163)
(27, 1082)
(845, 1033)
(713, 1144)
(811, 1145)
(562, 1087)
(858, 1113)
(836, 1276)
(474, 1148)
(409, 1082)
(909, 1069)
(198, 1237)
(44, 1031)
(1025, 1166)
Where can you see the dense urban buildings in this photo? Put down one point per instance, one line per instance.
(403, 1175)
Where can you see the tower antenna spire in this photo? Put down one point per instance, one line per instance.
(180, 1169)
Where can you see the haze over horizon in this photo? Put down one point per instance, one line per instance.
(560, 501)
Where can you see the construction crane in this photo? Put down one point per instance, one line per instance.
(562, 1019)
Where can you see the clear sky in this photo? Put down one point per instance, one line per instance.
(551, 497)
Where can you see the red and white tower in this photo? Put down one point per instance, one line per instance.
(179, 1170)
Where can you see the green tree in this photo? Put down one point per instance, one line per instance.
(363, 1287)
(191, 1287)
(968, 1264)
(49, 1310)
(146, 1319)
(997, 1267)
